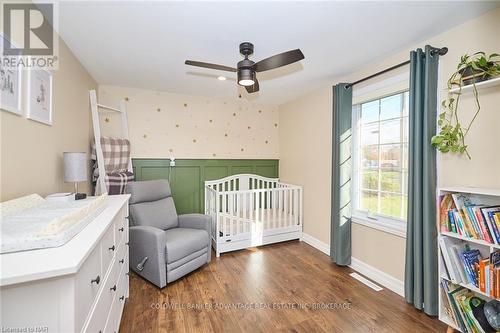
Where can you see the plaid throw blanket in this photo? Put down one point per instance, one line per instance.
(116, 152)
(116, 181)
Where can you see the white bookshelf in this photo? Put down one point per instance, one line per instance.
(485, 196)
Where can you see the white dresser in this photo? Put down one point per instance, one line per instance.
(78, 287)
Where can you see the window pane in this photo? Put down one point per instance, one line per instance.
(391, 204)
(382, 160)
(404, 212)
(390, 180)
(405, 182)
(370, 179)
(369, 112)
(391, 107)
(369, 156)
(406, 109)
(369, 134)
(390, 131)
(406, 128)
(390, 156)
(369, 201)
(405, 156)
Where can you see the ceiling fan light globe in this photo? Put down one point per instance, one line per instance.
(246, 82)
(246, 77)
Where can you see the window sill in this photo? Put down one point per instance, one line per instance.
(391, 227)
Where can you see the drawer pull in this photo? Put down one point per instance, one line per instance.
(113, 288)
(112, 248)
(96, 280)
(122, 298)
(121, 229)
(121, 261)
(126, 243)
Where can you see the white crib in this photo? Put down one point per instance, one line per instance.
(249, 210)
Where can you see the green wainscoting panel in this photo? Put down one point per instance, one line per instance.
(188, 176)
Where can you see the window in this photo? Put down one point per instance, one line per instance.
(380, 175)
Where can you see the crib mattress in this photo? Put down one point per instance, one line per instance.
(262, 219)
(32, 222)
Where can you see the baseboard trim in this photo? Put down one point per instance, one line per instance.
(386, 280)
(316, 243)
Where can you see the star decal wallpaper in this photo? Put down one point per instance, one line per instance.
(165, 124)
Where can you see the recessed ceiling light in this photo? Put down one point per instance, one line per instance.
(221, 78)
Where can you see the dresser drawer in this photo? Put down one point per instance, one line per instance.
(112, 324)
(121, 225)
(108, 246)
(121, 256)
(88, 280)
(97, 320)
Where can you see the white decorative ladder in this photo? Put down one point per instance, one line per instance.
(95, 108)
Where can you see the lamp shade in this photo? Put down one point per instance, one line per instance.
(75, 167)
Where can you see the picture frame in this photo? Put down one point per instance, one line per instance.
(10, 87)
(39, 105)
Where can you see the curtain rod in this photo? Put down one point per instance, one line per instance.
(441, 51)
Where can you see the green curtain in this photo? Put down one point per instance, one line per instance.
(421, 269)
(340, 240)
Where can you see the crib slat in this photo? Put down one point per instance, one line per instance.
(295, 206)
(275, 192)
(262, 206)
(244, 206)
(224, 212)
(301, 213)
(280, 205)
(249, 210)
(237, 213)
(231, 215)
(268, 210)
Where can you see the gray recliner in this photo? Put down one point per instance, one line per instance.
(163, 245)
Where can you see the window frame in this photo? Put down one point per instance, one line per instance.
(393, 225)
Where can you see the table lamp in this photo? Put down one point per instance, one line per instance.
(75, 170)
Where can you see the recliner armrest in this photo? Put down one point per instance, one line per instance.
(198, 221)
(150, 242)
(195, 221)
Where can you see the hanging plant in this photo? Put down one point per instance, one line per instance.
(470, 70)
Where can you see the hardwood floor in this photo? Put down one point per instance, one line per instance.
(246, 285)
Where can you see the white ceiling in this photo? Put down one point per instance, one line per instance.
(144, 44)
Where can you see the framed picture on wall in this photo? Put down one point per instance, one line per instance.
(39, 104)
(10, 87)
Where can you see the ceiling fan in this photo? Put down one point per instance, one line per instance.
(247, 68)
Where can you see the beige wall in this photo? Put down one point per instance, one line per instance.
(306, 156)
(164, 124)
(309, 117)
(31, 152)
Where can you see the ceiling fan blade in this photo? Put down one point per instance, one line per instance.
(211, 66)
(253, 88)
(279, 60)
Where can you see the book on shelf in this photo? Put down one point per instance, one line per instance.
(464, 308)
(466, 266)
(450, 248)
(459, 214)
(445, 205)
